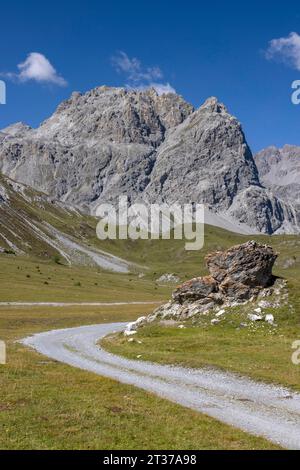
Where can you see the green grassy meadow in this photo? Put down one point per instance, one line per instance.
(48, 405)
(262, 352)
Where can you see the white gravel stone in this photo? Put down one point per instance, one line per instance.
(254, 317)
(269, 318)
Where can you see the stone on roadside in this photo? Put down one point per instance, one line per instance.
(269, 318)
(220, 313)
(254, 317)
(130, 332)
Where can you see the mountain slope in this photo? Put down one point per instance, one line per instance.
(206, 159)
(111, 142)
(279, 170)
(32, 223)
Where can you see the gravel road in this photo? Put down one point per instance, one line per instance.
(264, 410)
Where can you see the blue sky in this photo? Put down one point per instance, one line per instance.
(198, 48)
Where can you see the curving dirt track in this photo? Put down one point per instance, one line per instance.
(265, 410)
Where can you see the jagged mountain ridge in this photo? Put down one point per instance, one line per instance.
(93, 145)
(112, 141)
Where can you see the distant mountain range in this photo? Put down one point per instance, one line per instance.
(112, 141)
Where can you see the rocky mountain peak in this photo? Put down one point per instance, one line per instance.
(115, 115)
(18, 129)
(213, 105)
(209, 153)
(111, 141)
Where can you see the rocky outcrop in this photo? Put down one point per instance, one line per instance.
(236, 275)
(196, 289)
(242, 271)
(205, 159)
(112, 141)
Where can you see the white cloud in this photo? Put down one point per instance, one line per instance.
(139, 77)
(162, 88)
(38, 68)
(123, 63)
(286, 49)
(133, 68)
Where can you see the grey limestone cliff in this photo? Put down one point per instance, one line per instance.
(112, 141)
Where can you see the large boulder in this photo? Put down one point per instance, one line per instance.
(242, 270)
(236, 275)
(195, 289)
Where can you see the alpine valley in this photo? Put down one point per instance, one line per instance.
(152, 148)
